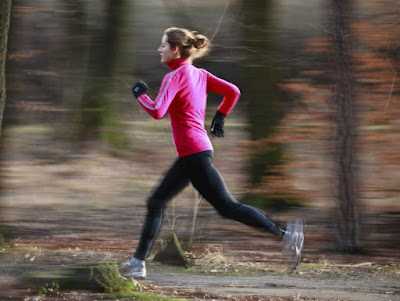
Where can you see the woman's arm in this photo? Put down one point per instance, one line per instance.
(230, 92)
(158, 108)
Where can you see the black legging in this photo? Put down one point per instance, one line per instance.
(199, 170)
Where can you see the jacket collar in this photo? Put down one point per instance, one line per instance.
(176, 63)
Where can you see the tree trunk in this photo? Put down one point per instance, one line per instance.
(5, 9)
(264, 110)
(98, 118)
(346, 193)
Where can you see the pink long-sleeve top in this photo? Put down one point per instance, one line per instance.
(183, 95)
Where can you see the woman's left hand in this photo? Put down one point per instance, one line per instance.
(217, 125)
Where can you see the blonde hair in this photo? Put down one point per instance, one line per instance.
(190, 44)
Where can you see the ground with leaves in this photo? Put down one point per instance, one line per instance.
(244, 265)
(63, 208)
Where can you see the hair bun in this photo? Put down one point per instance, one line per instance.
(200, 41)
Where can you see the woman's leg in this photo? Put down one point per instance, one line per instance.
(207, 180)
(174, 181)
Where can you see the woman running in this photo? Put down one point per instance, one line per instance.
(183, 95)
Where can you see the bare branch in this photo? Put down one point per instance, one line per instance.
(392, 87)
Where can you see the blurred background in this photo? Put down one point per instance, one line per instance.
(79, 156)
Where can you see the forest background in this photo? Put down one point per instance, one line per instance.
(75, 143)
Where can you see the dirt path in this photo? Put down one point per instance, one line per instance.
(296, 286)
(357, 285)
(49, 240)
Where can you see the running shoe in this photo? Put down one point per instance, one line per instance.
(293, 242)
(133, 268)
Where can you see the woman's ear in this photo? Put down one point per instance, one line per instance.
(175, 50)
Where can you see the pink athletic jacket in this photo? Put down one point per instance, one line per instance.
(183, 95)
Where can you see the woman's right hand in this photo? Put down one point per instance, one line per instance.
(139, 88)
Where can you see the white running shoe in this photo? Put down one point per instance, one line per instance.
(293, 242)
(135, 268)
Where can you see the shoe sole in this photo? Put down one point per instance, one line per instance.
(135, 276)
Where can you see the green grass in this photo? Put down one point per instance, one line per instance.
(31, 129)
(146, 296)
(50, 289)
(313, 266)
(391, 269)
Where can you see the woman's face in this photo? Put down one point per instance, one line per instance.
(166, 52)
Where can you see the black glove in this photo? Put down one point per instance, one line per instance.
(217, 125)
(139, 88)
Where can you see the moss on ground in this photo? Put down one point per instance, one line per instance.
(107, 276)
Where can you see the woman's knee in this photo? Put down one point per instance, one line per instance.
(228, 208)
(154, 203)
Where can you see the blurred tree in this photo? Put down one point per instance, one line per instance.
(262, 93)
(98, 118)
(260, 70)
(5, 9)
(72, 60)
(343, 100)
